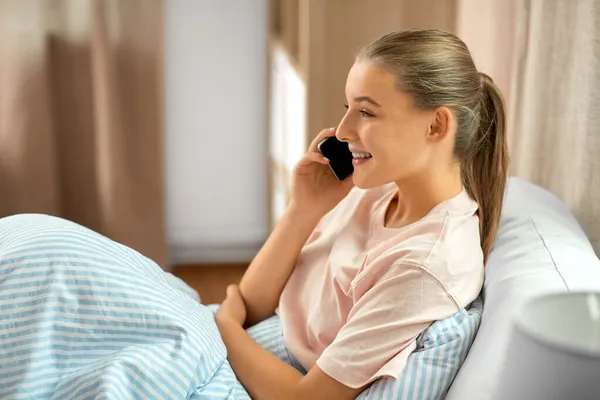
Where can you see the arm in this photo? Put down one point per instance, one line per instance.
(263, 282)
(315, 191)
(267, 377)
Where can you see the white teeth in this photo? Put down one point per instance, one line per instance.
(361, 155)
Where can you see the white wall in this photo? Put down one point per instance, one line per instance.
(215, 52)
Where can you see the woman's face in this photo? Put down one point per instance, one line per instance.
(390, 137)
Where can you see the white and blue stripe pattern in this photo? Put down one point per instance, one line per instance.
(269, 334)
(84, 317)
(430, 369)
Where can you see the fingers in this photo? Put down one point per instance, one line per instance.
(325, 133)
(312, 157)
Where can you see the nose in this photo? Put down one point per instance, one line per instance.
(345, 131)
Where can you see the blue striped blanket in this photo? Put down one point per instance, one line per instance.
(84, 317)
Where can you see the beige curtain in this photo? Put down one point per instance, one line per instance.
(545, 56)
(555, 110)
(81, 115)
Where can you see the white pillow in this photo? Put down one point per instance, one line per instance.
(539, 248)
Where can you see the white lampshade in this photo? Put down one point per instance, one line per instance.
(554, 351)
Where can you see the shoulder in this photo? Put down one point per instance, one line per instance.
(455, 258)
(445, 245)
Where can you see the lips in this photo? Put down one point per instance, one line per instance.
(357, 153)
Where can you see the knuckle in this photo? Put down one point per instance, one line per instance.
(323, 134)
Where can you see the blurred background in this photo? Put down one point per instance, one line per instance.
(172, 126)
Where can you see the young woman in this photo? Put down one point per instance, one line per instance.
(360, 268)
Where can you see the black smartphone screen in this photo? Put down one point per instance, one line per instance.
(339, 155)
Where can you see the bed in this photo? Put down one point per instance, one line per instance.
(84, 317)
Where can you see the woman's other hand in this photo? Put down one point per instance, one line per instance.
(233, 308)
(314, 187)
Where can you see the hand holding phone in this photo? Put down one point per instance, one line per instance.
(339, 155)
(315, 189)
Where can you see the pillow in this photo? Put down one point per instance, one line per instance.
(431, 368)
(539, 248)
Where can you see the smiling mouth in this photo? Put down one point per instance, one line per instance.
(361, 155)
(360, 158)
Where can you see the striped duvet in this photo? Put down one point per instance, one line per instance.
(84, 317)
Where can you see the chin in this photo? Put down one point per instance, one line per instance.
(374, 178)
(363, 182)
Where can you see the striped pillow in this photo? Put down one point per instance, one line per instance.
(431, 368)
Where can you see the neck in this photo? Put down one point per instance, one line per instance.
(420, 194)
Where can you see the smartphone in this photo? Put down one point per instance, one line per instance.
(339, 155)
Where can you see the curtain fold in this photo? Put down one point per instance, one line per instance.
(556, 105)
(545, 56)
(81, 116)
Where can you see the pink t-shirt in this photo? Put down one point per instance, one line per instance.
(361, 293)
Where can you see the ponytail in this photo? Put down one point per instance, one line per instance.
(485, 170)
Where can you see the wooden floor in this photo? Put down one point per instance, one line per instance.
(210, 281)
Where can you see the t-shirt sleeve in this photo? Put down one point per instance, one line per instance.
(383, 325)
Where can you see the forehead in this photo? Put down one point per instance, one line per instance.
(368, 79)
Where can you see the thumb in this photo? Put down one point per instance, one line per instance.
(233, 291)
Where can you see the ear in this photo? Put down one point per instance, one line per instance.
(441, 124)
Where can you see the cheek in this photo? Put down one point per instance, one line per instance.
(374, 136)
(390, 145)
(386, 146)
(398, 153)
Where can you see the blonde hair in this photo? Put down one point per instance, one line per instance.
(436, 69)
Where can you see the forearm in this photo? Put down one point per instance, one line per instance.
(263, 375)
(263, 282)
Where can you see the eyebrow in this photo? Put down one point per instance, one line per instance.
(367, 99)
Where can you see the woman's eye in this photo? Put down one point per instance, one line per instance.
(363, 113)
